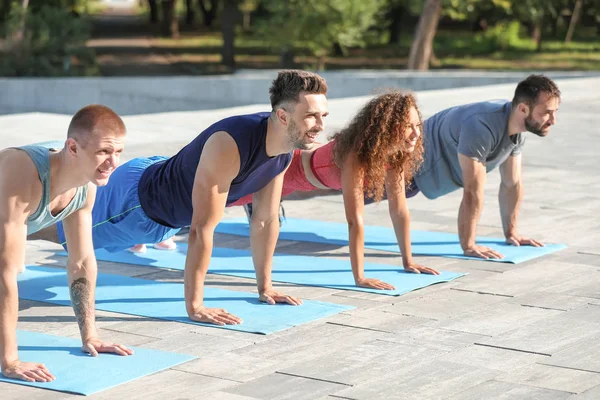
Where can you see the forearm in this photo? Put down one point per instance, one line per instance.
(9, 310)
(82, 285)
(509, 199)
(263, 239)
(401, 222)
(356, 236)
(468, 217)
(200, 244)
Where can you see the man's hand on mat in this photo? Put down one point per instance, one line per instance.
(420, 269)
(271, 296)
(95, 346)
(217, 316)
(517, 240)
(373, 283)
(482, 252)
(28, 371)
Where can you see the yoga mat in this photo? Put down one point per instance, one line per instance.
(381, 238)
(301, 270)
(78, 372)
(164, 300)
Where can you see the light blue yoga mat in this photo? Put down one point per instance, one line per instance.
(381, 238)
(301, 270)
(78, 372)
(164, 300)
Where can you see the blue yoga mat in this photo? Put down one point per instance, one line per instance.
(164, 300)
(381, 238)
(301, 270)
(78, 372)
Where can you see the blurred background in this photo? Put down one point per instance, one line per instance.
(52, 38)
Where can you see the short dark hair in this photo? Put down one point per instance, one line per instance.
(93, 118)
(528, 90)
(291, 82)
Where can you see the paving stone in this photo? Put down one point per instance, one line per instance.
(583, 355)
(496, 319)
(419, 381)
(361, 363)
(509, 391)
(550, 377)
(283, 387)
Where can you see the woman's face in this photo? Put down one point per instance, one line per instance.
(412, 130)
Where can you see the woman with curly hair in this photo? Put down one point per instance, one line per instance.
(373, 158)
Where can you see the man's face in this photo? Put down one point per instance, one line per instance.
(543, 115)
(99, 157)
(307, 120)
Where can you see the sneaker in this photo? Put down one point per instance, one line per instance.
(281, 214)
(248, 209)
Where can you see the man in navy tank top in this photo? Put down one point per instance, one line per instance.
(149, 199)
(38, 187)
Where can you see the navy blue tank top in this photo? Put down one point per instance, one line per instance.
(165, 188)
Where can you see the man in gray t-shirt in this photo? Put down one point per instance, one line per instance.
(463, 143)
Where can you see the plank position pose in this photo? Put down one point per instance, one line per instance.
(464, 143)
(149, 199)
(38, 188)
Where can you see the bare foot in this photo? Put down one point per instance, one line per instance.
(138, 248)
(168, 244)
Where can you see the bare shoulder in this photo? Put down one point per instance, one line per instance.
(20, 187)
(221, 141)
(220, 154)
(18, 173)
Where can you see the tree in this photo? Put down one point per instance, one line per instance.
(396, 10)
(574, 20)
(4, 9)
(189, 12)
(247, 7)
(422, 45)
(153, 11)
(317, 25)
(228, 23)
(209, 10)
(170, 25)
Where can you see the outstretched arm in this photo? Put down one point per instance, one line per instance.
(474, 174)
(15, 206)
(218, 166)
(400, 215)
(82, 271)
(264, 231)
(354, 206)
(509, 199)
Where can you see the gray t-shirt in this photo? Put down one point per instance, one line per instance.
(478, 131)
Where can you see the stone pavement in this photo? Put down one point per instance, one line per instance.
(527, 331)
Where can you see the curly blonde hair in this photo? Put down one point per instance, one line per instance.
(377, 128)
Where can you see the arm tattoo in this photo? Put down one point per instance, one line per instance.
(80, 298)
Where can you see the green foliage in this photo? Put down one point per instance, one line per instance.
(53, 44)
(317, 25)
(502, 36)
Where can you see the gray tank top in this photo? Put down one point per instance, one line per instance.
(42, 217)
